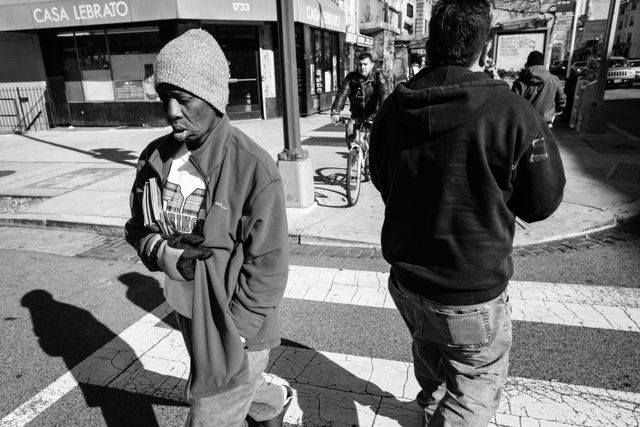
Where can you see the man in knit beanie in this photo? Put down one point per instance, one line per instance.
(207, 209)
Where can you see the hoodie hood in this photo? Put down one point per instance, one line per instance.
(444, 98)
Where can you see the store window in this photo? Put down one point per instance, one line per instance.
(95, 65)
(324, 45)
(132, 54)
(110, 65)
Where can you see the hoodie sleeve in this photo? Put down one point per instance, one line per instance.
(538, 177)
(263, 275)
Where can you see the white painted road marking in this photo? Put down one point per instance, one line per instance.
(602, 307)
(150, 359)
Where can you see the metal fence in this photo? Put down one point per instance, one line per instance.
(24, 108)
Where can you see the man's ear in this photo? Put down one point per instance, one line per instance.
(482, 61)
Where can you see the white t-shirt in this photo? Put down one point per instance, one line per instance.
(183, 200)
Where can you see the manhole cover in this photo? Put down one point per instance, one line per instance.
(625, 172)
(6, 173)
(624, 147)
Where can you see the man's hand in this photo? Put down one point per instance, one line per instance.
(178, 254)
(335, 118)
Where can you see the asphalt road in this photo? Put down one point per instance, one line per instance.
(57, 310)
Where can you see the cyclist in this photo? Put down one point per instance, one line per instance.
(366, 88)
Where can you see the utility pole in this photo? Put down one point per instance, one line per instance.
(293, 162)
(607, 46)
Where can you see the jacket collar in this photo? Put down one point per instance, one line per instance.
(207, 157)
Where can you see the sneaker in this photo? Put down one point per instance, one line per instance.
(278, 419)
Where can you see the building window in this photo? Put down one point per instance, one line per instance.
(324, 45)
(409, 10)
(426, 26)
(109, 65)
(620, 25)
(408, 28)
(631, 22)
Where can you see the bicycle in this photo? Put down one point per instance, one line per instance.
(358, 159)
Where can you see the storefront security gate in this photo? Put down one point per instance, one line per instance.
(23, 109)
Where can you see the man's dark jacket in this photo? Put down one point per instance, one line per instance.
(542, 89)
(364, 94)
(456, 156)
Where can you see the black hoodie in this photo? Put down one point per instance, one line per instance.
(456, 156)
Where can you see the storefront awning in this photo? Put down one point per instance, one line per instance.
(31, 14)
(319, 13)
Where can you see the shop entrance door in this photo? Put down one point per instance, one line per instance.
(240, 45)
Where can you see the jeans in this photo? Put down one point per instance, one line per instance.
(461, 356)
(256, 397)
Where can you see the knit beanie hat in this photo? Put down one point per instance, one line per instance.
(194, 62)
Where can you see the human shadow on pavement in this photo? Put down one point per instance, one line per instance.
(115, 155)
(145, 292)
(329, 394)
(75, 335)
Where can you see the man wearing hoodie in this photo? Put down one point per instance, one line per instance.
(456, 157)
(219, 233)
(540, 87)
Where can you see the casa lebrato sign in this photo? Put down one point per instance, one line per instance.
(79, 12)
(320, 13)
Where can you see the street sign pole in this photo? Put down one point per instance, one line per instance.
(596, 117)
(607, 46)
(293, 162)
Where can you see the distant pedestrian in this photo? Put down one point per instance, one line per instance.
(538, 86)
(456, 156)
(207, 208)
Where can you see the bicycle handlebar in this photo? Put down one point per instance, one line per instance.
(344, 119)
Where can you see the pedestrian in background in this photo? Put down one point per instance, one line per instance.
(456, 156)
(207, 208)
(538, 86)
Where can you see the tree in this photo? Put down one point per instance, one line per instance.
(524, 7)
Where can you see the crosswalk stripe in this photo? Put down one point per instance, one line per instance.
(340, 388)
(102, 367)
(602, 307)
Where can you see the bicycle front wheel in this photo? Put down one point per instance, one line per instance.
(354, 168)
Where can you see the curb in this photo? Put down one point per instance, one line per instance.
(97, 225)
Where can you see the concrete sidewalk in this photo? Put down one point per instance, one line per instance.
(86, 174)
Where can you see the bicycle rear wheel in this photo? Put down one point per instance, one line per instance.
(354, 167)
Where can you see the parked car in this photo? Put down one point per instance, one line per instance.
(618, 72)
(577, 68)
(559, 68)
(635, 64)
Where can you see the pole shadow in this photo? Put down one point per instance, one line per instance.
(74, 334)
(115, 155)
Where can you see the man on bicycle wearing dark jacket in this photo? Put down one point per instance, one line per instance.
(366, 89)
